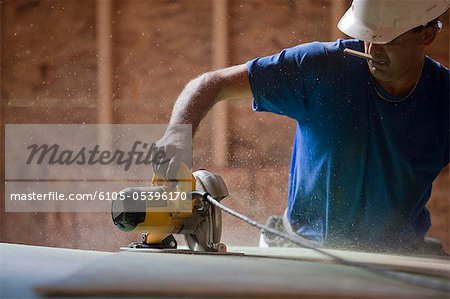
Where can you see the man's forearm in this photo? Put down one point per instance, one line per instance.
(196, 99)
(200, 95)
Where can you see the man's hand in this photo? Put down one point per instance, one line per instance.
(176, 146)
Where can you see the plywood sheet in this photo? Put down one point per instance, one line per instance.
(430, 266)
(23, 266)
(183, 275)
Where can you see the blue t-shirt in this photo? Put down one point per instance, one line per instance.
(362, 165)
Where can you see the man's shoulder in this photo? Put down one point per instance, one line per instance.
(437, 71)
(312, 52)
(330, 56)
(438, 66)
(341, 44)
(312, 59)
(330, 47)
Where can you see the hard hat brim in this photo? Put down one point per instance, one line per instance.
(354, 28)
(385, 23)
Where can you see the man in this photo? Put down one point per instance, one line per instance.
(371, 135)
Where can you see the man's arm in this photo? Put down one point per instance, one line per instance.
(200, 95)
(196, 99)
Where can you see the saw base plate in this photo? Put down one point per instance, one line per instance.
(179, 251)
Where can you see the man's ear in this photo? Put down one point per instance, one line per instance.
(429, 34)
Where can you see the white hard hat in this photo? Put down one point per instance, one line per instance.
(381, 21)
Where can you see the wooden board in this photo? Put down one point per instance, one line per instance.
(420, 265)
(186, 275)
(411, 264)
(23, 266)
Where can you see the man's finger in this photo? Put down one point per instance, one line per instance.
(172, 169)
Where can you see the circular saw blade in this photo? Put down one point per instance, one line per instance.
(208, 233)
(209, 230)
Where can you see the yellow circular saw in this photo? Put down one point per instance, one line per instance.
(170, 207)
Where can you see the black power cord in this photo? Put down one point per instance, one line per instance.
(400, 276)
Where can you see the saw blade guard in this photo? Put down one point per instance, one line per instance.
(209, 231)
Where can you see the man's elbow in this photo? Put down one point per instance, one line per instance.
(229, 83)
(212, 79)
(222, 84)
(209, 84)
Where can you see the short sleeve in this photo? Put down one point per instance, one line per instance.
(279, 82)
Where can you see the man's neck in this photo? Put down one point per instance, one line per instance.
(404, 85)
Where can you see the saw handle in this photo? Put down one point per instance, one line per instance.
(184, 179)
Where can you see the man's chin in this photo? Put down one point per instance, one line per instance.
(379, 74)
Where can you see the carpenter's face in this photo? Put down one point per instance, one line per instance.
(394, 60)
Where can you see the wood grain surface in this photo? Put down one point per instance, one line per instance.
(256, 274)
